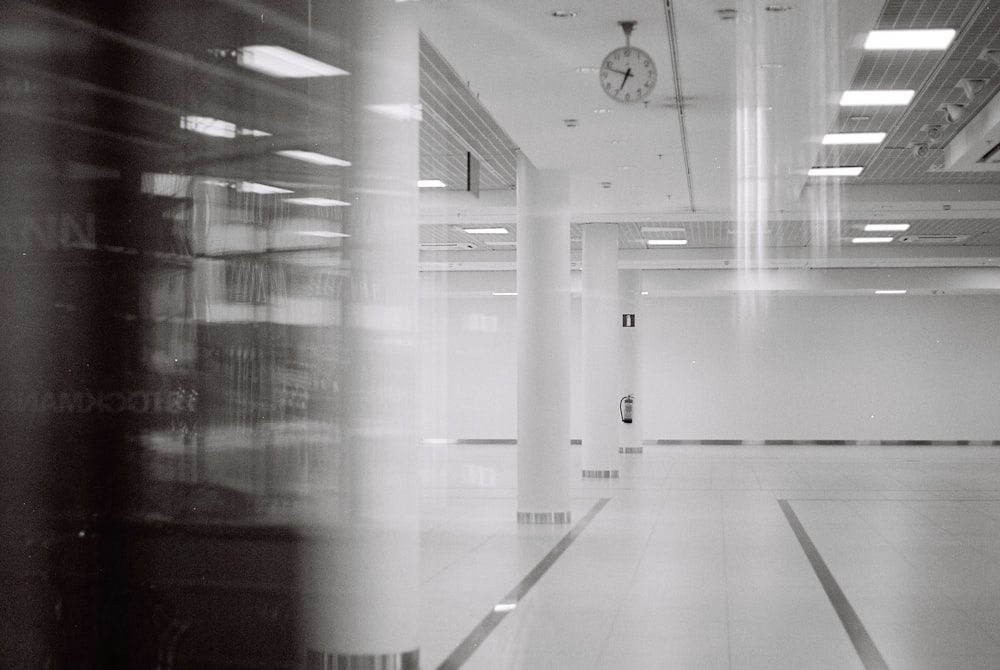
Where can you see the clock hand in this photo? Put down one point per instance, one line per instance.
(611, 69)
(628, 74)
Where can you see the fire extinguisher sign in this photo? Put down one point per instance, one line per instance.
(628, 320)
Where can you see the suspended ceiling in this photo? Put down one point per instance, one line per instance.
(724, 165)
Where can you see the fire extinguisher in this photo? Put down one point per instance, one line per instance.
(625, 408)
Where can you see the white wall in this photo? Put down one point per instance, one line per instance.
(854, 367)
(823, 367)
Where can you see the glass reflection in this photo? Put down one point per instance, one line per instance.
(171, 280)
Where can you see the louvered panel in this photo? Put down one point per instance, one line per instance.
(726, 234)
(986, 239)
(455, 123)
(445, 233)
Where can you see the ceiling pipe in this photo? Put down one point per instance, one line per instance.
(668, 11)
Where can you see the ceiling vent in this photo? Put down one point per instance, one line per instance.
(933, 239)
(447, 246)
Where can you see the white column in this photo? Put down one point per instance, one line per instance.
(543, 332)
(599, 350)
(361, 564)
(630, 288)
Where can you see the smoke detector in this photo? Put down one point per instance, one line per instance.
(934, 131)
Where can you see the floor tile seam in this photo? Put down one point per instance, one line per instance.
(993, 635)
(965, 504)
(465, 554)
(960, 539)
(632, 579)
(462, 513)
(929, 583)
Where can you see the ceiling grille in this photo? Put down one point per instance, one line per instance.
(727, 234)
(934, 76)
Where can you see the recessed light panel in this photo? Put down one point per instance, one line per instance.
(284, 63)
(666, 243)
(876, 98)
(431, 183)
(844, 171)
(853, 138)
(887, 227)
(322, 233)
(933, 40)
(206, 125)
(261, 189)
(872, 240)
(312, 157)
(317, 202)
(486, 231)
(890, 291)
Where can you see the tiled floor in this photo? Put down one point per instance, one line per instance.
(692, 563)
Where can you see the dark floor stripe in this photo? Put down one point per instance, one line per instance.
(472, 641)
(867, 651)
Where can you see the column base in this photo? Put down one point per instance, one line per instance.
(321, 660)
(543, 517)
(600, 474)
(629, 450)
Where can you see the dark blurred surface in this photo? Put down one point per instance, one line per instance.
(169, 329)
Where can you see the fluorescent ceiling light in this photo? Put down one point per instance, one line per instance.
(887, 227)
(936, 40)
(844, 171)
(872, 240)
(321, 233)
(486, 231)
(503, 293)
(666, 243)
(312, 157)
(876, 98)
(892, 291)
(430, 183)
(263, 189)
(853, 138)
(318, 202)
(206, 125)
(284, 63)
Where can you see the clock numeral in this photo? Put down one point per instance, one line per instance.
(646, 62)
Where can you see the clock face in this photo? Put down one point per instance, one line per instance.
(628, 74)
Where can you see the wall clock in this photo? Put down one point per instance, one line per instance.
(628, 74)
